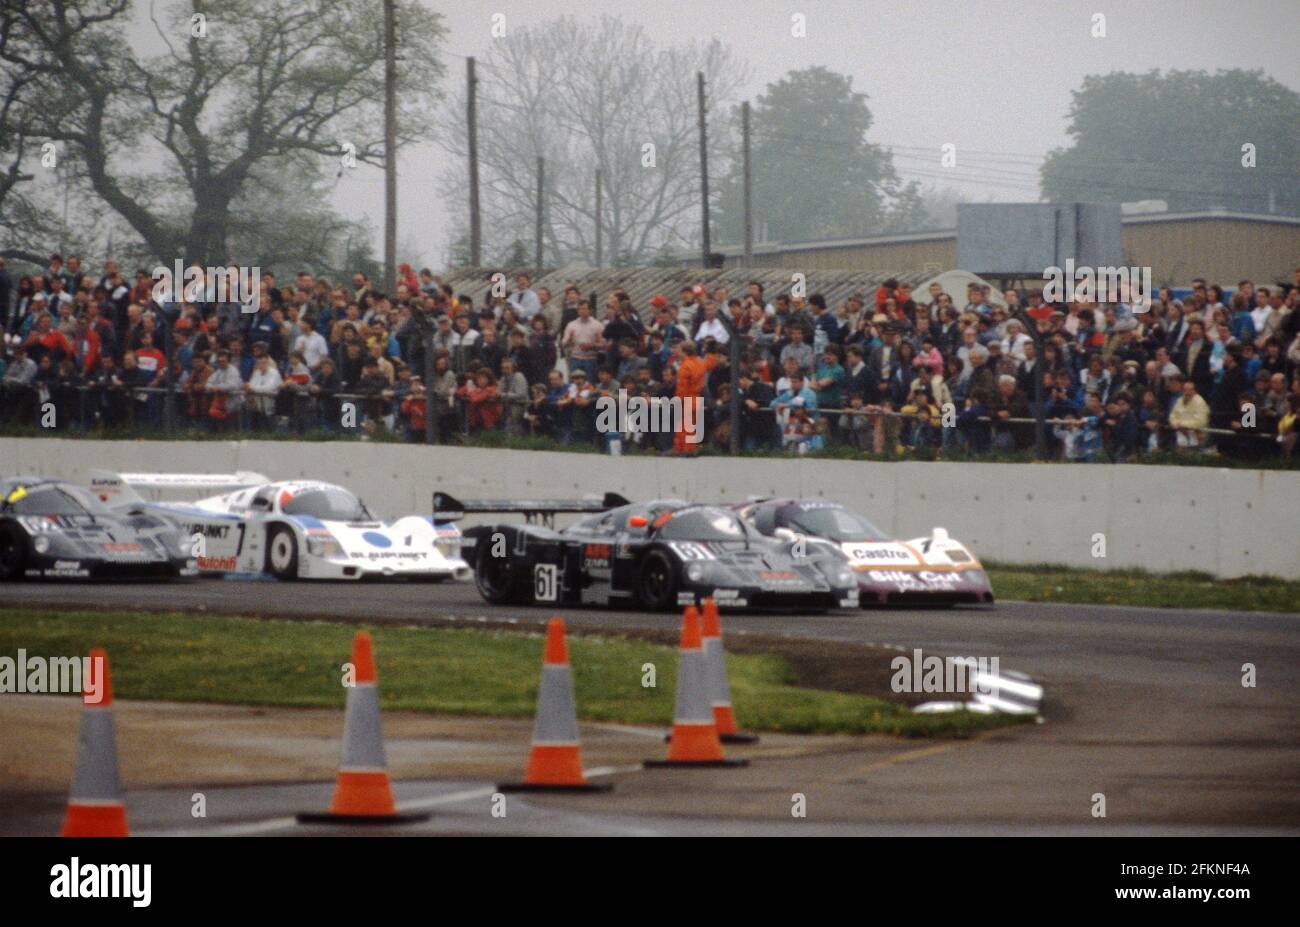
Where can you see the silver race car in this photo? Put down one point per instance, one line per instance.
(291, 529)
(53, 529)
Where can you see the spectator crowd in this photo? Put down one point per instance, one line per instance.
(889, 371)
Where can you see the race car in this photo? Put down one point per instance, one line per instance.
(928, 570)
(653, 555)
(52, 529)
(291, 529)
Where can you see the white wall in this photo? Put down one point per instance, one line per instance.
(1227, 522)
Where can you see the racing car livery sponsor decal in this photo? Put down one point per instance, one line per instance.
(596, 557)
(62, 568)
(388, 555)
(922, 580)
(869, 554)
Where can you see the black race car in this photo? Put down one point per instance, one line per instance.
(654, 555)
(50, 529)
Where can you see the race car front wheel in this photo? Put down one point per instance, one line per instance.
(657, 582)
(497, 578)
(282, 553)
(13, 554)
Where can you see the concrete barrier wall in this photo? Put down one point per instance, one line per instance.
(1226, 522)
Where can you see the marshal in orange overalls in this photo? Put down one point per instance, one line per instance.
(691, 374)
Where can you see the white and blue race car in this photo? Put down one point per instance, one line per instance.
(290, 529)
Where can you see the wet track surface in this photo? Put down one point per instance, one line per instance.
(1143, 705)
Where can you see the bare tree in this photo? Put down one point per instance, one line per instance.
(587, 95)
(243, 87)
(16, 90)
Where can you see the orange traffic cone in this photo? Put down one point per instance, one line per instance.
(362, 792)
(95, 806)
(555, 763)
(695, 734)
(715, 660)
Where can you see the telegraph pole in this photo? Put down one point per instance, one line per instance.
(541, 186)
(749, 186)
(475, 223)
(598, 230)
(390, 147)
(705, 244)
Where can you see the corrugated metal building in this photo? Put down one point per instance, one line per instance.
(1222, 247)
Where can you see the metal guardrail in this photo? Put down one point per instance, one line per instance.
(294, 409)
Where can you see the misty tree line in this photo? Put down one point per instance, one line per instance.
(227, 143)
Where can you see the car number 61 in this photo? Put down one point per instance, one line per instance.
(546, 582)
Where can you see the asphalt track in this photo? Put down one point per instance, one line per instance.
(1145, 706)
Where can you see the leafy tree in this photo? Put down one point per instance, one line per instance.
(815, 175)
(1178, 137)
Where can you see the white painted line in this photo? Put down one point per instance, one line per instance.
(651, 733)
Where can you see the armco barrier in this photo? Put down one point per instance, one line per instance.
(1229, 522)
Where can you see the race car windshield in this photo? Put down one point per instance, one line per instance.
(328, 505)
(836, 524)
(53, 500)
(704, 525)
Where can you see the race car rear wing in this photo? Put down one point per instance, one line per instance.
(121, 488)
(448, 508)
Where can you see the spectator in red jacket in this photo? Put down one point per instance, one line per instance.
(484, 400)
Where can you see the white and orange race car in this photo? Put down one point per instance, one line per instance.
(933, 570)
(290, 529)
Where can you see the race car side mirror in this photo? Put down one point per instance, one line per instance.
(785, 534)
(637, 521)
(939, 534)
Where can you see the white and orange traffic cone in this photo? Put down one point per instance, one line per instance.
(95, 806)
(695, 734)
(555, 763)
(363, 793)
(715, 660)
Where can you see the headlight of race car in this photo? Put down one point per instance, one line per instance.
(837, 574)
(324, 547)
(448, 547)
(706, 573)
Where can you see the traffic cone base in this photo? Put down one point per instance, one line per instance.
(554, 765)
(555, 768)
(555, 787)
(555, 761)
(694, 745)
(725, 719)
(362, 798)
(361, 819)
(107, 820)
(363, 793)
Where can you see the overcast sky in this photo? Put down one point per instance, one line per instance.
(992, 77)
